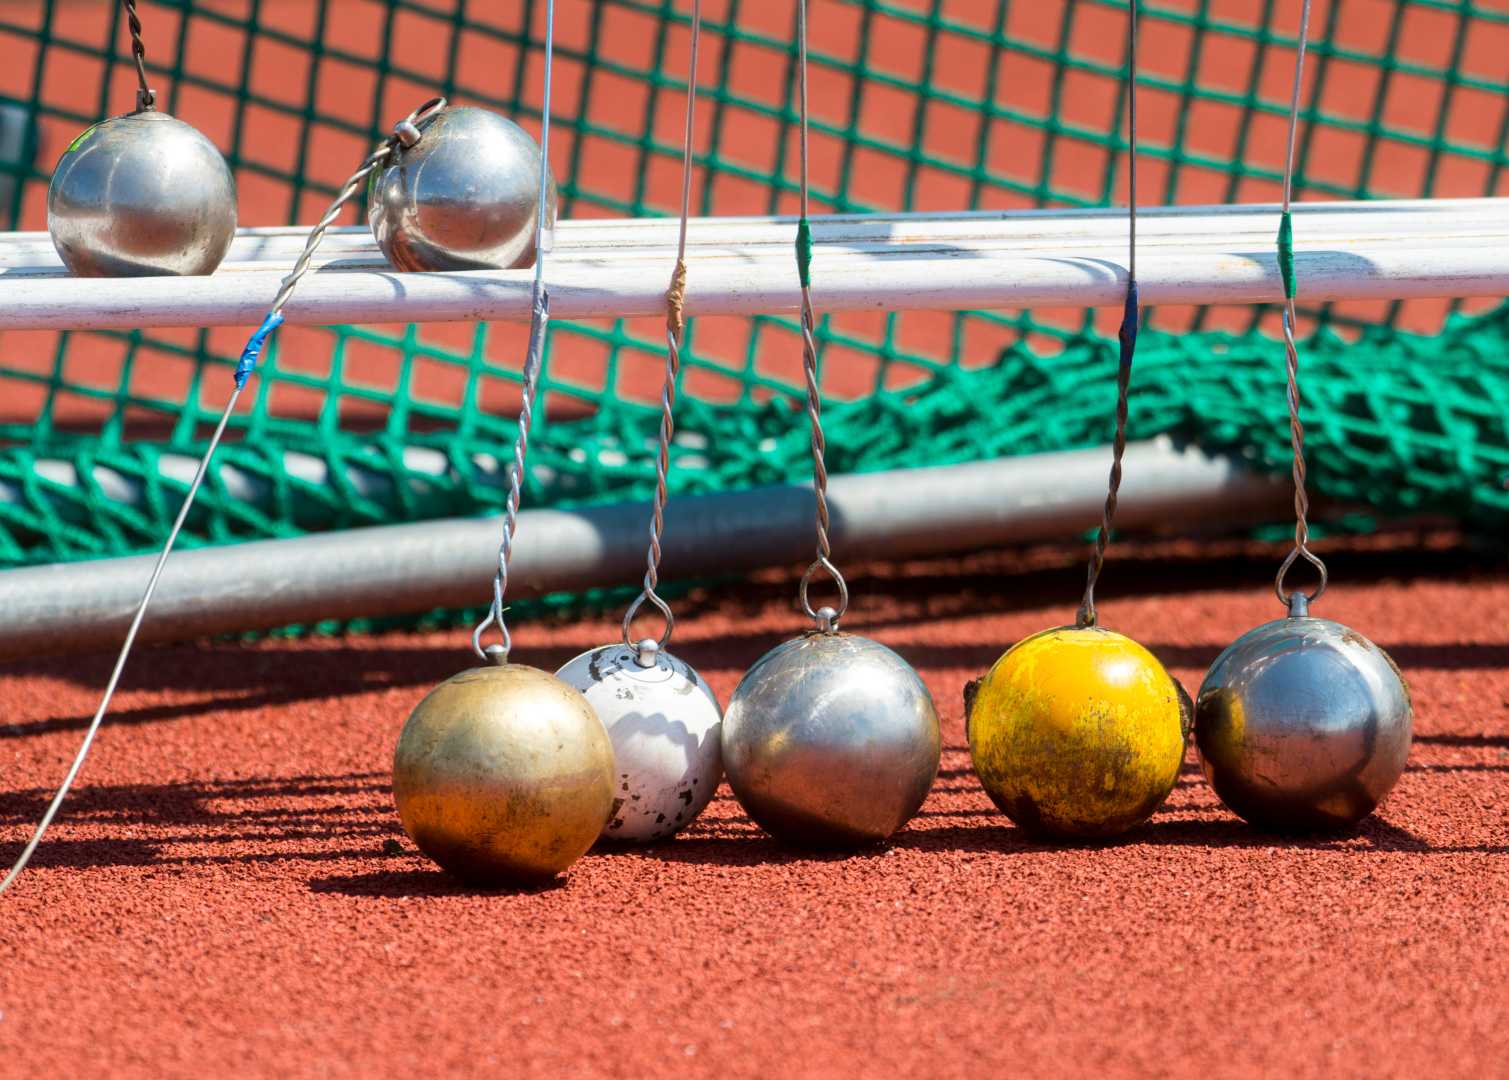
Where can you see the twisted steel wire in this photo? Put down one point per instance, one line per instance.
(533, 360)
(825, 617)
(352, 185)
(146, 97)
(1297, 601)
(675, 327)
(1127, 337)
(244, 370)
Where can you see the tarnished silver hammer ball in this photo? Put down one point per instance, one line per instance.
(141, 195)
(1303, 724)
(831, 740)
(464, 196)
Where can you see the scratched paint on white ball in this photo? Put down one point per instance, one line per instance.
(665, 725)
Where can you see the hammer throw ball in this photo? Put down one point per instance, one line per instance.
(665, 725)
(503, 774)
(1077, 732)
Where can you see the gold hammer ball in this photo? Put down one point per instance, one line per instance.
(503, 775)
(1077, 732)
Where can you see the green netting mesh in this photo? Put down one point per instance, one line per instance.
(917, 106)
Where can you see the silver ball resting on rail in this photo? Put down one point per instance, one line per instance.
(665, 725)
(462, 197)
(831, 740)
(141, 195)
(1303, 724)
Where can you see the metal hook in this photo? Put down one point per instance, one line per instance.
(494, 618)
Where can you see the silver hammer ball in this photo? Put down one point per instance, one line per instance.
(831, 740)
(140, 195)
(463, 197)
(664, 723)
(1303, 724)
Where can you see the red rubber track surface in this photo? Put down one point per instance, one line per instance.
(229, 890)
(220, 896)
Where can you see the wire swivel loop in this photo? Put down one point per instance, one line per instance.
(1086, 617)
(407, 131)
(1297, 602)
(825, 617)
(533, 359)
(1288, 599)
(497, 652)
(647, 650)
(638, 645)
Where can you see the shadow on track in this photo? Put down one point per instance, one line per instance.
(1375, 833)
(425, 881)
(245, 821)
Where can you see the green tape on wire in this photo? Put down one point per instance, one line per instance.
(804, 253)
(1286, 254)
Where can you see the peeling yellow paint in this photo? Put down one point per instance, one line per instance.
(1077, 732)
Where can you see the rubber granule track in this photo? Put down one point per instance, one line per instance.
(229, 891)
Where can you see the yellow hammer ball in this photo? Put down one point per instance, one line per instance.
(1077, 732)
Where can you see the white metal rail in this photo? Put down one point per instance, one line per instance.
(745, 266)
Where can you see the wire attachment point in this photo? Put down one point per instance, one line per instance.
(647, 650)
(1289, 599)
(534, 359)
(1126, 336)
(1296, 602)
(665, 613)
(146, 97)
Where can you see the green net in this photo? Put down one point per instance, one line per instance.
(916, 106)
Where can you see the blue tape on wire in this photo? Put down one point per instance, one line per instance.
(248, 361)
(1128, 332)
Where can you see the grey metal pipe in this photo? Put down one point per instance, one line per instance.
(395, 569)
